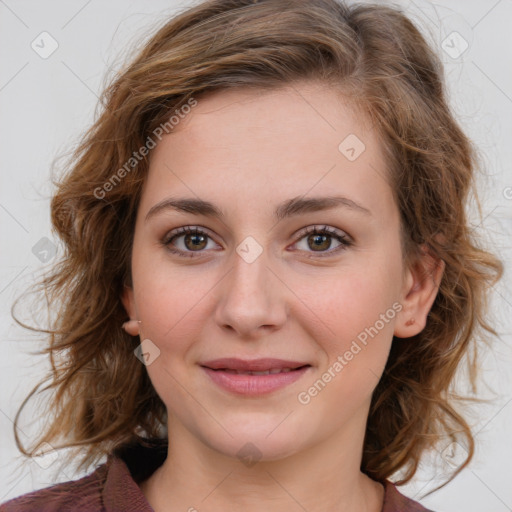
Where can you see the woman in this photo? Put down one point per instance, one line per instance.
(269, 279)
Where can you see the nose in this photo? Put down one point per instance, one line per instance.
(252, 299)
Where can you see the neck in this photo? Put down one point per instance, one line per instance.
(323, 477)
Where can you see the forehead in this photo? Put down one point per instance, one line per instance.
(310, 112)
(255, 146)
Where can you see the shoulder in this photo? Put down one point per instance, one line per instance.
(394, 501)
(113, 486)
(82, 494)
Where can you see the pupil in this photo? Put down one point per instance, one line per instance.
(319, 239)
(197, 240)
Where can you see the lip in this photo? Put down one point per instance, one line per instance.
(253, 385)
(255, 365)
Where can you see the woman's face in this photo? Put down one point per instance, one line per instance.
(254, 283)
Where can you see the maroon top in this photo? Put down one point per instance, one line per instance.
(113, 487)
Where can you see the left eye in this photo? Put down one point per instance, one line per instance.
(320, 239)
(194, 240)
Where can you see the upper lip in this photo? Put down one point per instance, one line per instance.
(255, 365)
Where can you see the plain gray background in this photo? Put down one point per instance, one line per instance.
(48, 99)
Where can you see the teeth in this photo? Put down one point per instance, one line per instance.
(266, 372)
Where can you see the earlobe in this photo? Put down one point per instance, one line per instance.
(420, 290)
(132, 327)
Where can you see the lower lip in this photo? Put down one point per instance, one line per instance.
(252, 385)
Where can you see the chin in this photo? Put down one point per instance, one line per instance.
(266, 443)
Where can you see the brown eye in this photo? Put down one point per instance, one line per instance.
(195, 241)
(319, 241)
(186, 241)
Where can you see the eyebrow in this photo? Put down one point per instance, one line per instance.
(295, 206)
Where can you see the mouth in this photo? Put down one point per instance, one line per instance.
(263, 366)
(254, 377)
(271, 371)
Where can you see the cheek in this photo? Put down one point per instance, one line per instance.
(351, 317)
(168, 295)
(356, 319)
(346, 304)
(172, 309)
(170, 306)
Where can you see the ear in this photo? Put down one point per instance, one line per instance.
(421, 284)
(128, 300)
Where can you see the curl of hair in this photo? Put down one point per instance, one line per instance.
(102, 396)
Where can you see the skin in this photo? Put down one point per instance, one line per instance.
(247, 152)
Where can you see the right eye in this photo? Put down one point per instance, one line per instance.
(185, 241)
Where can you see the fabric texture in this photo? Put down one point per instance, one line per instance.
(113, 487)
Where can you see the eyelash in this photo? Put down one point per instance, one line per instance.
(343, 239)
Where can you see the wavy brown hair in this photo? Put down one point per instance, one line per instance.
(101, 396)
